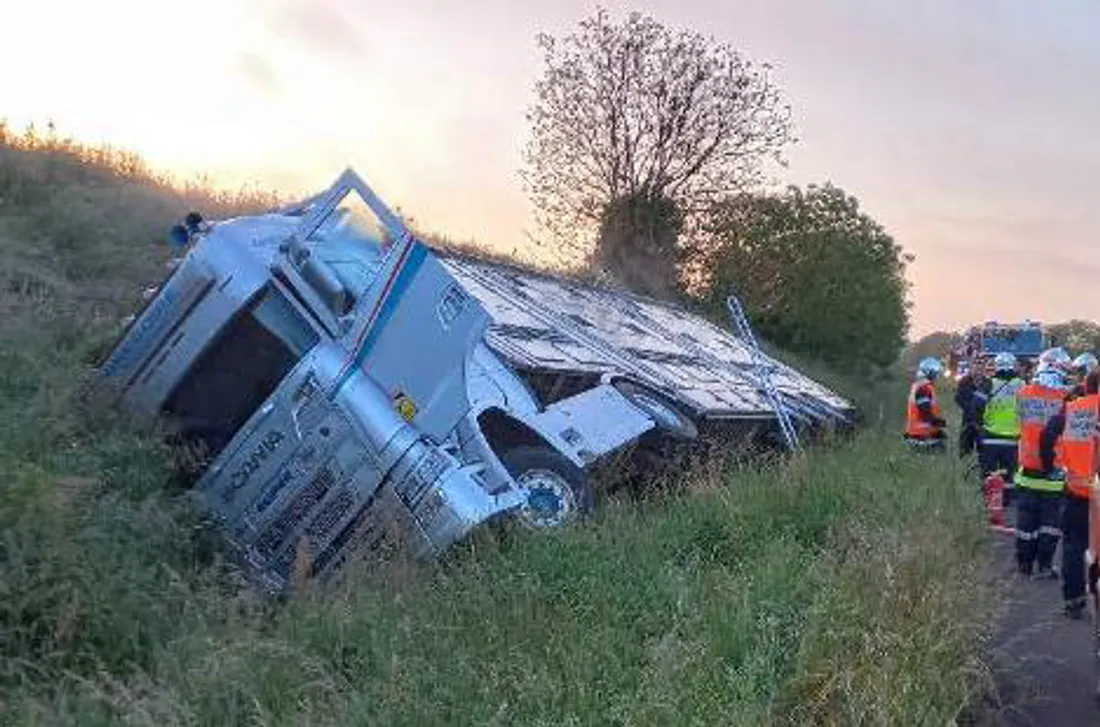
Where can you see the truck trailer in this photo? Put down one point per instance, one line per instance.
(339, 384)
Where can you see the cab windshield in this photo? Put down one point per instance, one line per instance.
(352, 242)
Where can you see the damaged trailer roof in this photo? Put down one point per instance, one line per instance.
(548, 323)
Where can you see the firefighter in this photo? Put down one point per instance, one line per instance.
(966, 399)
(995, 409)
(1055, 357)
(924, 427)
(1038, 489)
(1076, 431)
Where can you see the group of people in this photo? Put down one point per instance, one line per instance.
(1042, 435)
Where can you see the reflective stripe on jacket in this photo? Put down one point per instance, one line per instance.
(1045, 484)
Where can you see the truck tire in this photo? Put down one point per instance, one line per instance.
(560, 493)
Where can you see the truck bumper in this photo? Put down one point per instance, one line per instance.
(425, 506)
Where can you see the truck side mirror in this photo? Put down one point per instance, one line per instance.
(323, 279)
(179, 236)
(319, 275)
(193, 221)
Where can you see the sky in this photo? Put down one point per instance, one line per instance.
(970, 130)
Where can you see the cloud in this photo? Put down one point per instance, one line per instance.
(321, 25)
(259, 73)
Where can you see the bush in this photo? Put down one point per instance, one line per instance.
(814, 272)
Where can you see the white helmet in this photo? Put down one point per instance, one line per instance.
(1056, 357)
(1004, 362)
(1086, 363)
(1050, 377)
(929, 368)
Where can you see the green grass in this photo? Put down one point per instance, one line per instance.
(840, 587)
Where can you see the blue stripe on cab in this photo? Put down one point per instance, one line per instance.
(393, 298)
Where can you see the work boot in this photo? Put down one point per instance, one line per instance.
(1075, 609)
(1049, 573)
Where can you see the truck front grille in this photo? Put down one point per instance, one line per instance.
(381, 523)
(296, 510)
(330, 514)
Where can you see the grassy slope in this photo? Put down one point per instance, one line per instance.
(831, 589)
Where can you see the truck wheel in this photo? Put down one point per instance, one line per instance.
(669, 417)
(559, 490)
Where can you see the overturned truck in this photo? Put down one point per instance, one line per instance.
(337, 382)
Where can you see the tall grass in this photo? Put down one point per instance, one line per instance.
(85, 226)
(838, 587)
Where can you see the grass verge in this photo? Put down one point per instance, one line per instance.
(839, 588)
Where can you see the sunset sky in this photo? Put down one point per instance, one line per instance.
(970, 129)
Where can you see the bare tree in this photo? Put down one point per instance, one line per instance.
(636, 111)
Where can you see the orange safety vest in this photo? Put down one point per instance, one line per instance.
(1035, 406)
(1080, 444)
(915, 426)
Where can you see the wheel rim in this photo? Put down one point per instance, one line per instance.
(550, 503)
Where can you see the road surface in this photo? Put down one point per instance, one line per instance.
(1043, 668)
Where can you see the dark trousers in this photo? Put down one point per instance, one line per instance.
(968, 438)
(993, 457)
(1038, 515)
(1075, 532)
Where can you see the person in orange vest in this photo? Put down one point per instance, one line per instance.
(1039, 485)
(924, 427)
(1077, 429)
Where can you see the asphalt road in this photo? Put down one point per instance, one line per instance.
(1044, 670)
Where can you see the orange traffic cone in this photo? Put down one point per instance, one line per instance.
(993, 494)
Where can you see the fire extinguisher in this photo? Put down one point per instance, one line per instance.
(993, 493)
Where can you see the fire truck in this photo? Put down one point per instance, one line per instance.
(981, 343)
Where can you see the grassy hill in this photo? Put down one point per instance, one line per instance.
(842, 586)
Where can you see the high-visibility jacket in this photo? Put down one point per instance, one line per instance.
(916, 426)
(1035, 406)
(999, 418)
(1080, 440)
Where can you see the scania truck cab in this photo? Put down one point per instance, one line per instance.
(330, 379)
